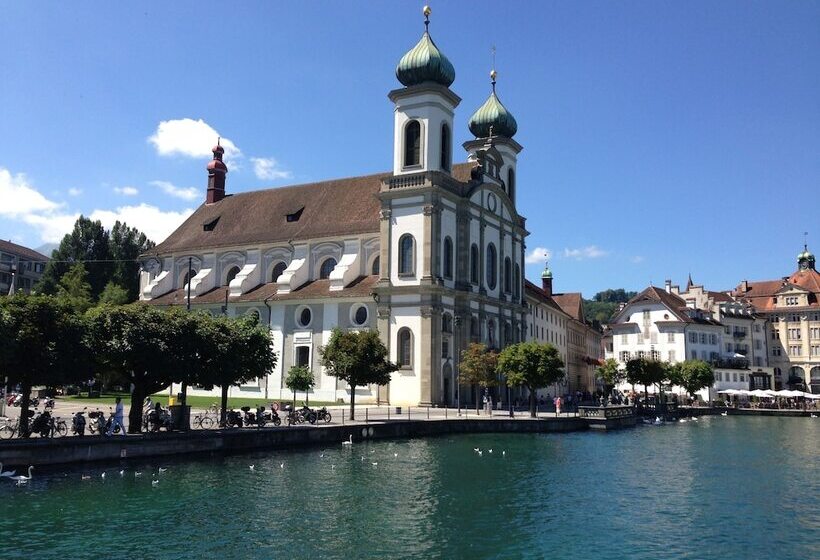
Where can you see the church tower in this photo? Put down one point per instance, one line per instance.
(423, 118)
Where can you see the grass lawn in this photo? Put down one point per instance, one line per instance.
(194, 402)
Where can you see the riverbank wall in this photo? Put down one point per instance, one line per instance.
(78, 450)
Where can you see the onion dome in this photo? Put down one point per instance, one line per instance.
(806, 257)
(547, 272)
(492, 118)
(424, 62)
(217, 164)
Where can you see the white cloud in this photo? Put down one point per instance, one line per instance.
(51, 227)
(190, 138)
(126, 191)
(185, 193)
(20, 198)
(636, 259)
(75, 192)
(268, 169)
(538, 255)
(590, 252)
(152, 221)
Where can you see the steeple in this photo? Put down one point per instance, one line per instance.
(546, 279)
(493, 118)
(805, 260)
(689, 282)
(216, 175)
(425, 62)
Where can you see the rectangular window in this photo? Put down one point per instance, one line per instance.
(728, 347)
(703, 339)
(624, 356)
(815, 350)
(694, 355)
(734, 377)
(718, 376)
(653, 338)
(670, 337)
(757, 344)
(445, 348)
(303, 356)
(742, 377)
(693, 337)
(624, 339)
(671, 355)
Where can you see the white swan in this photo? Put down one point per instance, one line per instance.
(349, 440)
(6, 474)
(22, 479)
(724, 414)
(155, 483)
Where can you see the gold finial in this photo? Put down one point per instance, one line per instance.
(426, 11)
(493, 73)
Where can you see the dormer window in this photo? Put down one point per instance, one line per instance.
(294, 216)
(209, 226)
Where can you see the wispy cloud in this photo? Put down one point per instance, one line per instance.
(268, 169)
(126, 191)
(636, 259)
(185, 193)
(538, 255)
(589, 252)
(155, 223)
(75, 192)
(190, 138)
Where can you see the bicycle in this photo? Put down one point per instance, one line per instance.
(9, 429)
(204, 421)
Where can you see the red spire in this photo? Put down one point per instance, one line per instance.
(216, 175)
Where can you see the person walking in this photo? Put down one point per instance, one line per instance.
(118, 417)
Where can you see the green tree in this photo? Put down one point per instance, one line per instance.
(114, 294)
(74, 289)
(359, 358)
(126, 245)
(531, 365)
(44, 344)
(478, 367)
(692, 375)
(610, 373)
(641, 371)
(299, 378)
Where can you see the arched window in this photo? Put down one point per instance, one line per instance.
(507, 333)
(445, 147)
(511, 183)
(475, 328)
(491, 333)
(446, 323)
(412, 144)
(407, 256)
(188, 276)
(327, 267)
(231, 275)
(405, 347)
(474, 264)
(376, 264)
(492, 267)
(507, 275)
(278, 269)
(448, 258)
(517, 282)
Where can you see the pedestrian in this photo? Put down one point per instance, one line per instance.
(118, 417)
(557, 405)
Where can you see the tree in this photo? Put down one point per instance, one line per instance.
(126, 245)
(299, 378)
(640, 371)
(74, 289)
(114, 294)
(359, 358)
(610, 373)
(531, 365)
(692, 375)
(44, 344)
(478, 367)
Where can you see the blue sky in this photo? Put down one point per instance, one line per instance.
(659, 137)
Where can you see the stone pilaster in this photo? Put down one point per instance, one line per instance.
(425, 341)
(383, 322)
(386, 247)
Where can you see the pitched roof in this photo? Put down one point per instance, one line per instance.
(23, 252)
(761, 294)
(571, 304)
(674, 303)
(539, 294)
(324, 209)
(360, 287)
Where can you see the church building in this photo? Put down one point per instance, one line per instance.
(430, 253)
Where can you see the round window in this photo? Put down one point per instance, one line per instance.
(360, 315)
(304, 317)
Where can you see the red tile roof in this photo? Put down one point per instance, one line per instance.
(761, 294)
(539, 294)
(24, 252)
(571, 304)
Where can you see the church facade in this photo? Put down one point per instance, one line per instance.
(430, 254)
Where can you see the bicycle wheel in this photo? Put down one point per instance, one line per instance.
(60, 429)
(276, 421)
(7, 432)
(206, 423)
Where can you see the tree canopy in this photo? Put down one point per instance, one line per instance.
(478, 367)
(532, 365)
(603, 305)
(359, 358)
(299, 378)
(692, 375)
(107, 257)
(641, 371)
(610, 373)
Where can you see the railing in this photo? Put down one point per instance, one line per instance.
(730, 363)
(405, 181)
(739, 334)
(606, 412)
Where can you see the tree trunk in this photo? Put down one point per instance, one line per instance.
(352, 402)
(532, 402)
(135, 412)
(223, 406)
(477, 399)
(24, 404)
(184, 394)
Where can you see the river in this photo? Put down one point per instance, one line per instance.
(721, 487)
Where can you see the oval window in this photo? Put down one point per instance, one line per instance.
(305, 317)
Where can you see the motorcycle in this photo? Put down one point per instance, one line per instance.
(49, 404)
(273, 417)
(97, 425)
(43, 424)
(308, 414)
(156, 419)
(253, 418)
(233, 419)
(78, 423)
(323, 414)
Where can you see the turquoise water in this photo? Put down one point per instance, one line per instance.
(723, 487)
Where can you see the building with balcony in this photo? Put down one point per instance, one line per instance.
(20, 267)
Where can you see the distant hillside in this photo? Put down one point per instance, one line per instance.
(603, 305)
(46, 248)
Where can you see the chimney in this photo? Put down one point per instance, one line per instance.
(744, 286)
(216, 176)
(668, 285)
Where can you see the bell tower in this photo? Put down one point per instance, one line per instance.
(423, 114)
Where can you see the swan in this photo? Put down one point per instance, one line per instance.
(21, 478)
(490, 450)
(812, 416)
(503, 453)
(375, 464)
(395, 454)
(155, 483)
(161, 470)
(85, 477)
(102, 476)
(281, 465)
(6, 474)
(122, 472)
(480, 453)
(724, 414)
(251, 467)
(349, 440)
(476, 449)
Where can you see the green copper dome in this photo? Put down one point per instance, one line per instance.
(805, 255)
(547, 273)
(493, 115)
(425, 63)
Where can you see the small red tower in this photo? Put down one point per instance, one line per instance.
(216, 176)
